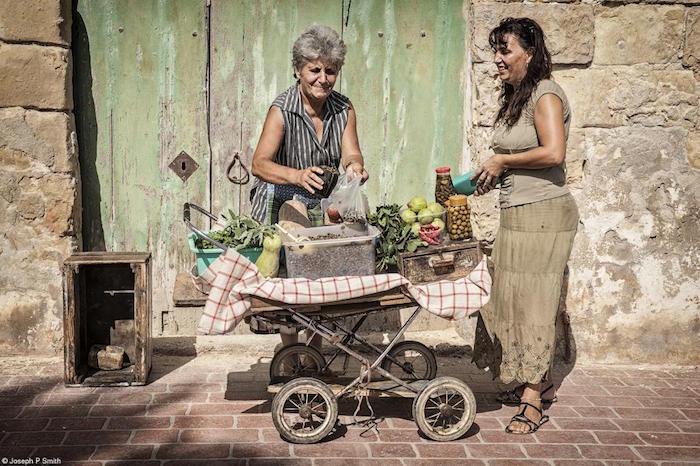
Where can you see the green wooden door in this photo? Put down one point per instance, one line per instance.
(154, 78)
(403, 73)
(251, 64)
(140, 91)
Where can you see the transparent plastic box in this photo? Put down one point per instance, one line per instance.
(329, 251)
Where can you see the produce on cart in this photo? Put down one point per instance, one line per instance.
(443, 185)
(240, 232)
(396, 236)
(458, 217)
(332, 253)
(269, 261)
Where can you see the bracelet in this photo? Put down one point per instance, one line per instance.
(349, 163)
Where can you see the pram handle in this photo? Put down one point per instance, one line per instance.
(186, 218)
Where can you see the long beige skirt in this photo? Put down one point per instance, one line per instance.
(516, 329)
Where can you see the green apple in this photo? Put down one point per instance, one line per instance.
(415, 228)
(425, 216)
(417, 204)
(408, 216)
(438, 223)
(435, 208)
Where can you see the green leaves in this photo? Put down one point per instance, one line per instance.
(396, 236)
(240, 232)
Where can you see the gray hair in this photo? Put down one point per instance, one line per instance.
(318, 43)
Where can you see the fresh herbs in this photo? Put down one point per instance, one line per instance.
(241, 232)
(396, 236)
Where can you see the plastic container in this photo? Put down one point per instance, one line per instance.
(442, 234)
(443, 185)
(464, 185)
(205, 257)
(348, 249)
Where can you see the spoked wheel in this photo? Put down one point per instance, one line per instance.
(304, 411)
(445, 409)
(297, 360)
(415, 361)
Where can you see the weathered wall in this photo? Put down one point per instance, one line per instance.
(630, 71)
(39, 191)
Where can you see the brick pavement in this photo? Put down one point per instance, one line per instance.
(214, 409)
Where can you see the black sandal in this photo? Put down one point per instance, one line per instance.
(511, 397)
(521, 417)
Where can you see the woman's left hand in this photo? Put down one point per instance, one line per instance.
(487, 174)
(356, 169)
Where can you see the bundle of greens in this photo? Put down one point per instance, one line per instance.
(396, 236)
(241, 232)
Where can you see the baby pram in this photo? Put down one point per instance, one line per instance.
(305, 406)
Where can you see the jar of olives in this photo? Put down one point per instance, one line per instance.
(443, 185)
(458, 222)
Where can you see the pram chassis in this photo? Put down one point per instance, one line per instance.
(457, 403)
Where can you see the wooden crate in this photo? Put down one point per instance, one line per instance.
(449, 260)
(107, 297)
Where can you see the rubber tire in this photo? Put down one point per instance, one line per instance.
(299, 349)
(467, 417)
(426, 353)
(291, 387)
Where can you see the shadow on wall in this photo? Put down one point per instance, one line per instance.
(565, 352)
(86, 127)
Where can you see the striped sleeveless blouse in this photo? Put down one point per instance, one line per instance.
(300, 149)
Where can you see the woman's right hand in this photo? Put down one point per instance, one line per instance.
(309, 179)
(487, 174)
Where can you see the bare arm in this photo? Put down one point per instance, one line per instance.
(351, 158)
(549, 123)
(264, 166)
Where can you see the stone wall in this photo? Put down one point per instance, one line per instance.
(631, 72)
(39, 188)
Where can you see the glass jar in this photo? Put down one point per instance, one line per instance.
(443, 185)
(459, 225)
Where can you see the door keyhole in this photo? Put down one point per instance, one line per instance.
(183, 165)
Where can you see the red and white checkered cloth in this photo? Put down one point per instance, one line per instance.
(234, 280)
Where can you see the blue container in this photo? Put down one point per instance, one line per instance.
(205, 257)
(464, 185)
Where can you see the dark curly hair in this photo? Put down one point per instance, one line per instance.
(531, 38)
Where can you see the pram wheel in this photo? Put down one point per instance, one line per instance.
(445, 409)
(297, 360)
(411, 361)
(304, 410)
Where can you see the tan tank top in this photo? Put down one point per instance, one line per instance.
(520, 185)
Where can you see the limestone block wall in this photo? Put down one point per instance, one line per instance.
(39, 185)
(631, 71)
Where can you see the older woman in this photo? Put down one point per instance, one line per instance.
(308, 125)
(516, 330)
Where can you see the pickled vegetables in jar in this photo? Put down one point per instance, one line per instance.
(458, 217)
(443, 185)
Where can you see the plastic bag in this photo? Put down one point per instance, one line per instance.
(350, 201)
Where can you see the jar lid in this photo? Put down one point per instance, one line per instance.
(458, 199)
(442, 170)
